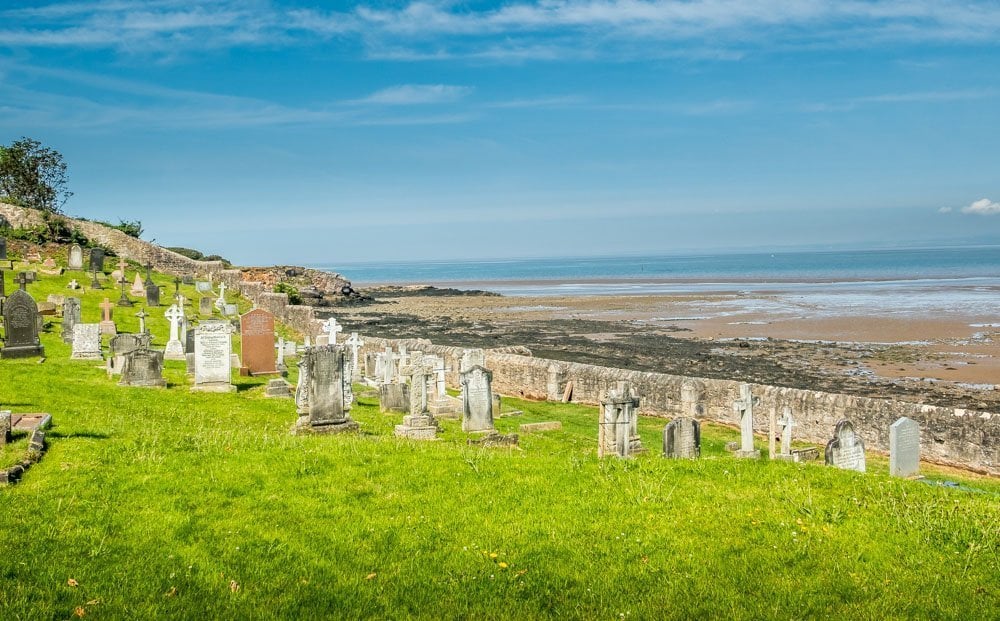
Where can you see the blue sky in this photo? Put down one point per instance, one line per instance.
(286, 132)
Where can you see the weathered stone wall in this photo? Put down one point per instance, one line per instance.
(964, 438)
(162, 260)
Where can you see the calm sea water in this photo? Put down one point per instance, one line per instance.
(924, 267)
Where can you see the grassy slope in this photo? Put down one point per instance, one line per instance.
(162, 502)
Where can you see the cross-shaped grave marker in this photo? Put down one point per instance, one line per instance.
(331, 327)
(786, 423)
(22, 279)
(149, 275)
(106, 306)
(744, 405)
(355, 343)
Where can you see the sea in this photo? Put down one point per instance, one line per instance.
(925, 281)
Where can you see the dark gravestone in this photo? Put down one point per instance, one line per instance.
(206, 306)
(123, 344)
(143, 367)
(682, 439)
(96, 260)
(189, 341)
(152, 295)
(257, 342)
(328, 406)
(187, 280)
(21, 319)
(3, 249)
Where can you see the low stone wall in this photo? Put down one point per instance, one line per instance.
(964, 438)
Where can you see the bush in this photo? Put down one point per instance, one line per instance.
(293, 293)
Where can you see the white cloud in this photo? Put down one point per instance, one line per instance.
(983, 207)
(414, 94)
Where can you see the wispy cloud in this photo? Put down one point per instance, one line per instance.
(416, 94)
(983, 207)
(929, 97)
(519, 30)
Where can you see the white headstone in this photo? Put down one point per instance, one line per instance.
(355, 343)
(904, 448)
(175, 347)
(86, 341)
(744, 407)
(212, 349)
(477, 400)
(846, 450)
(331, 328)
(682, 438)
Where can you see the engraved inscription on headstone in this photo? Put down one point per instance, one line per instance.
(71, 317)
(86, 342)
(21, 319)
(682, 438)
(212, 348)
(257, 342)
(143, 367)
(618, 430)
(846, 450)
(477, 399)
(75, 261)
(904, 448)
(96, 260)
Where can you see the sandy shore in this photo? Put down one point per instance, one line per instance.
(942, 356)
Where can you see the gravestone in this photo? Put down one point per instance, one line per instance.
(205, 306)
(75, 260)
(618, 432)
(328, 402)
(189, 341)
(692, 399)
(331, 328)
(21, 319)
(5, 418)
(471, 358)
(3, 249)
(220, 302)
(202, 286)
(787, 423)
(86, 342)
(137, 287)
(355, 343)
(904, 448)
(682, 438)
(744, 407)
(72, 284)
(257, 342)
(122, 344)
(70, 317)
(152, 295)
(96, 260)
(212, 348)
(419, 424)
(477, 399)
(230, 310)
(107, 324)
(277, 388)
(143, 367)
(846, 450)
(174, 349)
(393, 398)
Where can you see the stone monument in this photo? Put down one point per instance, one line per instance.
(86, 342)
(21, 319)
(122, 344)
(328, 405)
(682, 438)
(477, 399)
(904, 448)
(75, 261)
(257, 342)
(618, 430)
(175, 348)
(107, 323)
(846, 450)
(744, 407)
(143, 367)
(212, 347)
(419, 424)
(70, 317)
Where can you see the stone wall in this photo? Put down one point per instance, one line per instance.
(964, 438)
(123, 245)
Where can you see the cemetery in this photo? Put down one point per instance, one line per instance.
(146, 476)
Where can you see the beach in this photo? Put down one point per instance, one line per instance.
(937, 344)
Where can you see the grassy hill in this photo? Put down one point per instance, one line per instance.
(166, 503)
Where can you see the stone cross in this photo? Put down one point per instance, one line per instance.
(786, 423)
(355, 342)
(121, 266)
(106, 306)
(142, 321)
(221, 302)
(22, 280)
(439, 371)
(744, 406)
(174, 316)
(149, 276)
(123, 300)
(331, 327)
(403, 358)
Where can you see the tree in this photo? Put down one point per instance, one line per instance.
(33, 176)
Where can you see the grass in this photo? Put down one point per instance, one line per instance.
(167, 503)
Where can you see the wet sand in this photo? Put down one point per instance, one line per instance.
(945, 357)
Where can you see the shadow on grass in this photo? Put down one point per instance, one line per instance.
(94, 435)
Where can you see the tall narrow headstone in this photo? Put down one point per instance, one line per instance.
(904, 448)
(692, 399)
(355, 343)
(618, 430)
(419, 424)
(212, 347)
(477, 400)
(152, 295)
(846, 450)
(205, 306)
(257, 342)
(107, 323)
(3, 249)
(96, 260)
(744, 407)
(70, 317)
(21, 319)
(75, 259)
(786, 423)
(86, 342)
(682, 438)
(328, 406)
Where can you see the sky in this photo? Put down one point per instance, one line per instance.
(285, 132)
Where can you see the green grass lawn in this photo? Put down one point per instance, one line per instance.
(166, 503)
